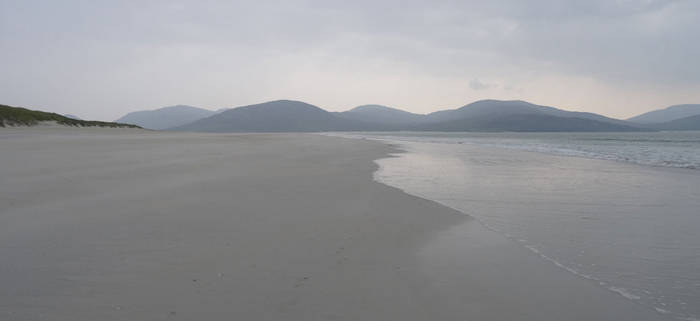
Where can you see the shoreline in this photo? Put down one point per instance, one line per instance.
(151, 225)
(398, 140)
(397, 172)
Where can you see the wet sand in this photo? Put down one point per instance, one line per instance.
(112, 224)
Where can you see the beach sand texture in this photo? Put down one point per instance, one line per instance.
(112, 224)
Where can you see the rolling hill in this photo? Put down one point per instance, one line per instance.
(685, 123)
(379, 114)
(517, 115)
(486, 115)
(275, 116)
(527, 122)
(667, 114)
(501, 108)
(165, 117)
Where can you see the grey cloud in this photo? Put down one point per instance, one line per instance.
(73, 53)
(477, 84)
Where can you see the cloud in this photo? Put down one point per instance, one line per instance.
(477, 84)
(102, 59)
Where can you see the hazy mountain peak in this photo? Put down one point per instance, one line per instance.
(284, 104)
(179, 107)
(273, 116)
(497, 101)
(493, 103)
(484, 115)
(685, 123)
(380, 114)
(371, 107)
(489, 109)
(165, 117)
(667, 114)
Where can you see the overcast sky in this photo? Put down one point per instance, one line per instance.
(101, 59)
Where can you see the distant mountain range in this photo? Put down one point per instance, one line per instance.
(677, 117)
(275, 116)
(483, 115)
(685, 123)
(667, 114)
(382, 115)
(165, 117)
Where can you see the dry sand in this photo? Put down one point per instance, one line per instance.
(116, 224)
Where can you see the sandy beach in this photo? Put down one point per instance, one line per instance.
(117, 224)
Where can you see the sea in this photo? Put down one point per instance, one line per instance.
(621, 210)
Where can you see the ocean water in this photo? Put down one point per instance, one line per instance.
(621, 210)
(679, 149)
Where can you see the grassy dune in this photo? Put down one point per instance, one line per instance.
(17, 116)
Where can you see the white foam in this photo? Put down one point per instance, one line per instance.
(623, 292)
(660, 310)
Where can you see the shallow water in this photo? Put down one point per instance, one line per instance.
(631, 229)
(679, 149)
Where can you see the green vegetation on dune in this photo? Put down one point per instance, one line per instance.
(17, 116)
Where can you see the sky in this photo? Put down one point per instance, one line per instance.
(101, 59)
